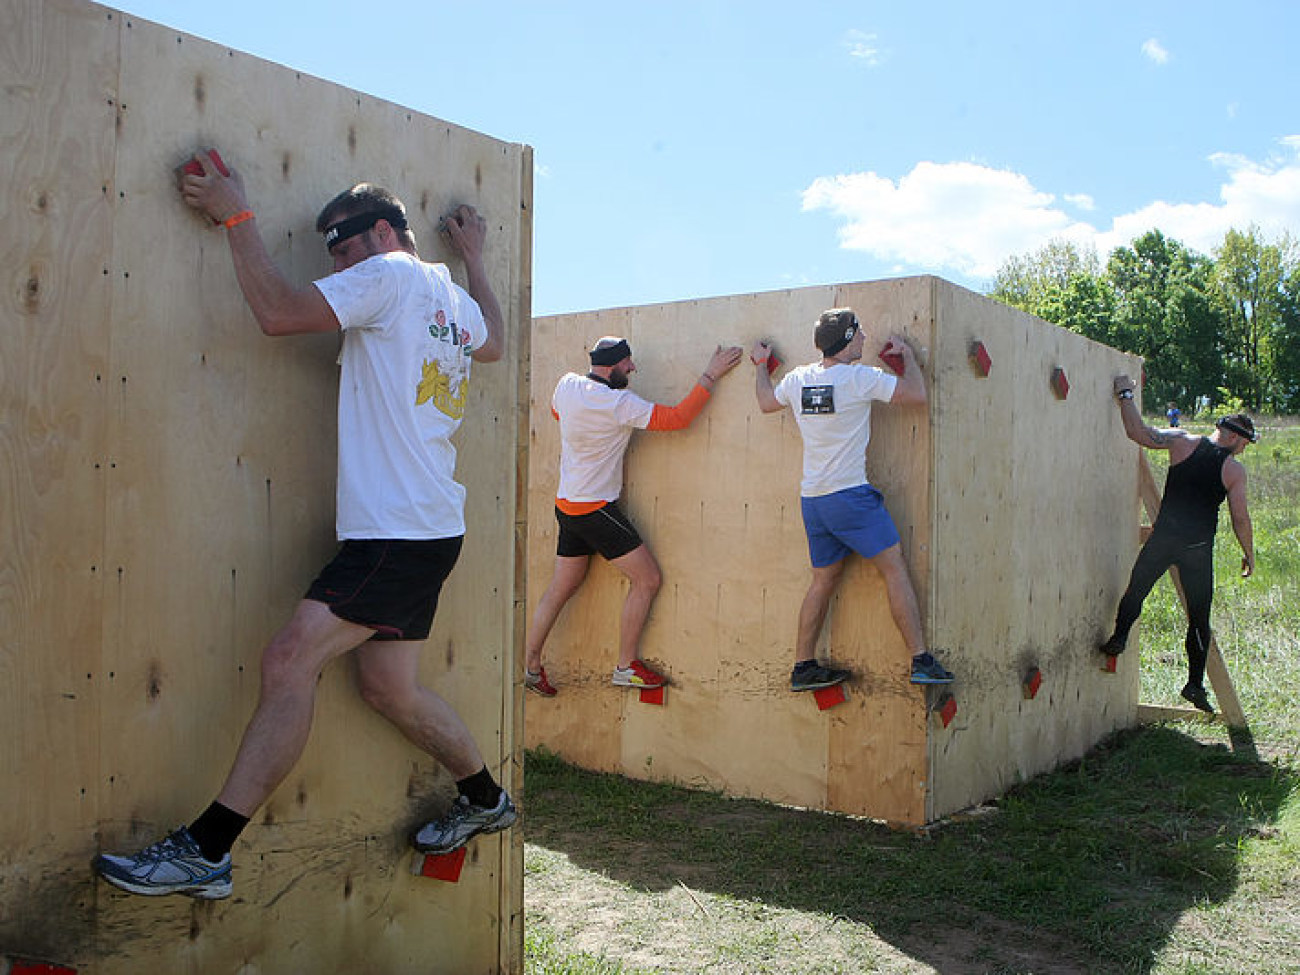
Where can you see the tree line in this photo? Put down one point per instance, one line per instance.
(1222, 330)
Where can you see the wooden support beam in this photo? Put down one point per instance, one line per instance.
(1151, 713)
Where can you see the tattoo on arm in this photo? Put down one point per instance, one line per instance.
(1158, 439)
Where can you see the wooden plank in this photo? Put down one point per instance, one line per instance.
(1152, 713)
(719, 506)
(1225, 692)
(199, 487)
(1150, 493)
(54, 342)
(1030, 555)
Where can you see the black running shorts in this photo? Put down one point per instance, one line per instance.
(389, 585)
(605, 530)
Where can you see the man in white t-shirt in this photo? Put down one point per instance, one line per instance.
(597, 414)
(831, 400)
(409, 335)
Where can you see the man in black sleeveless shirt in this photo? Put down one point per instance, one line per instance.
(1202, 472)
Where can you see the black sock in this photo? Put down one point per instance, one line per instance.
(480, 788)
(216, 830)
(804, 665)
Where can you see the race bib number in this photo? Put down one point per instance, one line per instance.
(818, 399)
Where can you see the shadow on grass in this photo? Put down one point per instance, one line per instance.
(1095, 862)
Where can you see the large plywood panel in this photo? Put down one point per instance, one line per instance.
(1034, 516)
(719, 506)
(54, 311)
(1017, 512)
(878, 761)
(203, 503)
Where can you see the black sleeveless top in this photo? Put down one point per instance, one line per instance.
(1193, 492)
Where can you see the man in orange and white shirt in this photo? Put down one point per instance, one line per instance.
(597, 415)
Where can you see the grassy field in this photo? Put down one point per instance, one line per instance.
(1165, 850)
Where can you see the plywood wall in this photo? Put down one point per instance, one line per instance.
(719, 506)
(1035, 530)
(1018, 518)
(168, 486)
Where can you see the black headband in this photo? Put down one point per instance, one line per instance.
(351, 226)
(611, 355)
(1239, 430)
(840, 344)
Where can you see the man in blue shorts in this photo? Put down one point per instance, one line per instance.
(409, 335)
(842, 512)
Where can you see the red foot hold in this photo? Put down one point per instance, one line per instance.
(652, 695)
(38, 968)
(443, 866)
(894, 360)
(194, 168)
(980, 358)
(947, 709)
(828, 697)
(1033, 681)
(1060, 385)
(1109, 662)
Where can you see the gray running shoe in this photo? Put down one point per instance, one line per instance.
(927, 670)
(171, 866)
(465, 821)
(816, 677)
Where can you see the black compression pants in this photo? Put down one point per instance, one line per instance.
(1195, 564)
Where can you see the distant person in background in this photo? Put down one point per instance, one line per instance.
(1202, 472)
(842, 513)
(1173, 414)
(597, 414)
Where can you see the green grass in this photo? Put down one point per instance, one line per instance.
(1164, 850)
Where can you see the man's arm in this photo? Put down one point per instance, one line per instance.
(1234, 479)
(468, 233)
(910, 388)
(1134, 428)
(681, 416)
(279, 307)
(767, 401)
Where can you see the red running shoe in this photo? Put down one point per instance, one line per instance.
(638, 675)
(538, 684)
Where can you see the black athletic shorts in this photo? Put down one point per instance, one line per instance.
(606, 530)
(389, 585)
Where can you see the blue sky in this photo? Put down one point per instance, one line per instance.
(708, 148)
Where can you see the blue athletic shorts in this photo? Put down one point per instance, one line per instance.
(852, 520)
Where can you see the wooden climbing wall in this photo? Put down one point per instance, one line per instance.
(1035, 530)
(168, 494)
(719, 506)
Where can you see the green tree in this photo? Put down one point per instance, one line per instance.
(1036, 282)
(1167, 312)
(1257, 283)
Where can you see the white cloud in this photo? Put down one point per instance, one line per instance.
(968, 218)
(962, 216)
(1081, 201)
(863, 46)
(1266, 194)
(1155, 51)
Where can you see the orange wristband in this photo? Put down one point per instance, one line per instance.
(237, 219)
